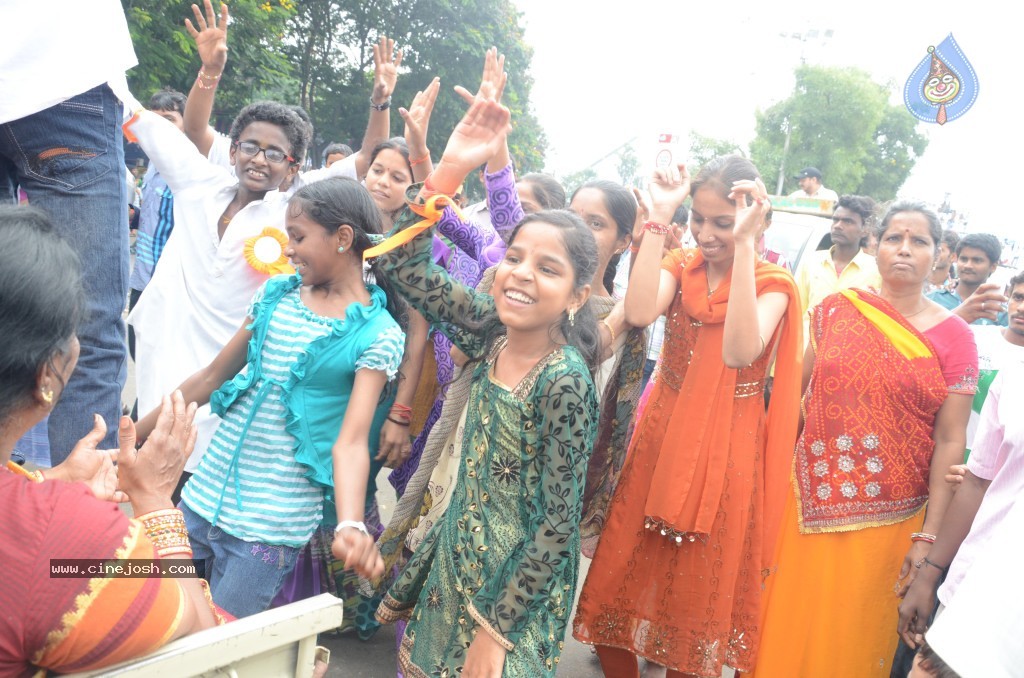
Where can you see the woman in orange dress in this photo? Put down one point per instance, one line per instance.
(678, 572)
(892, 376)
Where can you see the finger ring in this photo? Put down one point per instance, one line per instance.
(983, 306)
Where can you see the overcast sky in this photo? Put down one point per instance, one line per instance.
(607, 72)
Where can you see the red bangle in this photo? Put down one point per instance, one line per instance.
(413, 163)
(655, 228)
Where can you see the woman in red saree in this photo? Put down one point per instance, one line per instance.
(891, 379)
(678, 572)
(67, 624)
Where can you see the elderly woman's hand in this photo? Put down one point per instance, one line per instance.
(92, 466)
(149, 475)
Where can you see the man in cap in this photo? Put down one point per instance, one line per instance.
(810, 186)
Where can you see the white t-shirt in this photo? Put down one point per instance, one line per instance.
(994, 354)
(53, 51)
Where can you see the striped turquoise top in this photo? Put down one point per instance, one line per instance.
(255, 481)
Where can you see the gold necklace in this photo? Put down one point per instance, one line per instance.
(920, 310)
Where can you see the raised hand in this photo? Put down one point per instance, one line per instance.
(417, 118)
(987, 302)
(749, 213)
(211, 37)
(492, 82)
(668, 188)
(385, 69)
(477, 137)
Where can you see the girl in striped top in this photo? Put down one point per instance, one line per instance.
(300, 391)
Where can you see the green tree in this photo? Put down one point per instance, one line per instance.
(573, 181)
(841, 122)
(257, 68)
(627, 166)
(704, 149)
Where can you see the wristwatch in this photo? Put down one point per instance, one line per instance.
(351, 523)
(383, 106)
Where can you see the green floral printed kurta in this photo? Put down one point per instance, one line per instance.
(504, 558)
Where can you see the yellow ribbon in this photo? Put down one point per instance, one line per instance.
(432, 210)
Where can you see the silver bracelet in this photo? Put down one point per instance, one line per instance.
(351, 523)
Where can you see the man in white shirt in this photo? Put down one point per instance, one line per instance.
(60, 140)
(810, 186)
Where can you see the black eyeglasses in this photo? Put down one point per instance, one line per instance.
(273, 155)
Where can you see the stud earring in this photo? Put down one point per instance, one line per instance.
(47, 396)
(341, 249)
(572, 317)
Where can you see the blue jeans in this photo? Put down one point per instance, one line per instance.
(69, 159)
(244, 576)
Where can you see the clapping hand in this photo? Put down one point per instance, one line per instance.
(668, 188)
(492, 82)
(211, 37)
(92, 466)
(385, 69)
(749, 213)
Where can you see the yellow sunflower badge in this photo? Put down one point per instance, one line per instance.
(265, 252)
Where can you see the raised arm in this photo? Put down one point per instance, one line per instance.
(750, 320)
(417, 123)
(211, 40)
(385, 74)
(180, 163)
(651, 288)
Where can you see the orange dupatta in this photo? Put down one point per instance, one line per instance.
(687, 484)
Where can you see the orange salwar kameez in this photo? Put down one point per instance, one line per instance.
(689, 599)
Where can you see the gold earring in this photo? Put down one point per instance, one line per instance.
(572, 317)
(47, 396)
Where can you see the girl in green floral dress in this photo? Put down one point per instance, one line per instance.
(488, 592)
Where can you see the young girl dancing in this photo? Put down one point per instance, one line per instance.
(307, 410)
(678, 572)
(489, 590)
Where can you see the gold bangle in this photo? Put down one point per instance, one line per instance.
(604, 321)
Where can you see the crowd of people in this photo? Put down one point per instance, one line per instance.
(782, 472)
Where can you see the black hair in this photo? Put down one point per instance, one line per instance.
(934, 227)
(342, 200)
(951, 238)
(861, 205)
(394, 144)
(1016, 280)
(682, 215)
(41, 301)
(581, 250)
(622, 207)
(336, 148)
(167, 99)
(722, 172)
(301, 112)
(933, 664)
(549, 193)
(986, 242)
(295, 129)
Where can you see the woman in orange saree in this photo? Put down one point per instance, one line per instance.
(69, 618)
(885, 412)
(678, 572)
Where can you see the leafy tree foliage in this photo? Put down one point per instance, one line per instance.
(841, 122)
(704, 149)
(317, 53)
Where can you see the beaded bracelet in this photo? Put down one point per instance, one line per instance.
(655, 228)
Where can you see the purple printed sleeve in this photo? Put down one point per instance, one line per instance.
(487, 245)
